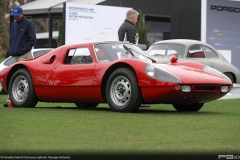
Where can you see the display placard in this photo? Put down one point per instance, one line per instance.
(85, 23)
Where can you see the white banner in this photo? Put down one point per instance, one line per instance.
(85, 23)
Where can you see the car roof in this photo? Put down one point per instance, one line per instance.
(39, 49)
(182, 41)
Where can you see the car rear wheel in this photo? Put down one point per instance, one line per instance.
(21, 91)
(189, 108)
(122, 91)
(86, 105)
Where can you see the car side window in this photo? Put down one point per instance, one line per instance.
(107, 52)
(196, 51)
(210, 53)
(78, 56)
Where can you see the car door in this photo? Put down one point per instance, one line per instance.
(73, 78)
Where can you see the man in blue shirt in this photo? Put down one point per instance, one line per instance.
(22, 39)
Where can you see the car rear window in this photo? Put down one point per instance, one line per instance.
(210, 53)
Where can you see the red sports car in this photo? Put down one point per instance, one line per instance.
(117, 73)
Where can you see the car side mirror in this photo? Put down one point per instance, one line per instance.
(173, 59)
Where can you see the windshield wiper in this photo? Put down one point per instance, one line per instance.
(130, 50)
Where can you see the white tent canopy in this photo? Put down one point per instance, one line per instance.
(38, 7)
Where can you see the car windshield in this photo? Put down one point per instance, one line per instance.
(166, 50)
(107, 52)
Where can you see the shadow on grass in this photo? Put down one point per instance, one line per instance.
(156, 111)
(140, 111)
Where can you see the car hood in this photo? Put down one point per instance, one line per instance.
(190, 75)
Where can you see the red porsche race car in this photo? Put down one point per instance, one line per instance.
(117, 73)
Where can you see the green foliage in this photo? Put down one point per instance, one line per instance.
(4, 34)
(120, 3)
(142, 29)
(2, 58)
(60, 32)
(4, 40)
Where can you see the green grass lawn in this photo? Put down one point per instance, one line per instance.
(58, 127)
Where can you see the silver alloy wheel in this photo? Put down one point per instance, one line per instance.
(20, 88)
(120, 90)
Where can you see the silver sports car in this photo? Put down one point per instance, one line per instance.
(193, 50)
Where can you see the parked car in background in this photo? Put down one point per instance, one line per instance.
(196, 51)
(10, 60)
(118, 73)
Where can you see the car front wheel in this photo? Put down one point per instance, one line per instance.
(188, 108)
(122, 91)
(21, 90)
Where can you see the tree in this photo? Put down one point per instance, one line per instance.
(4, 33)
(60, 31)
(142, 29)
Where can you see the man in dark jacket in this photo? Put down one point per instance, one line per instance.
(128, 27)
(22, 38)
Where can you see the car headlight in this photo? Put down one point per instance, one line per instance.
(224, 89)
(160, 74)
(186, 88)
(214, 71)
(150, 70)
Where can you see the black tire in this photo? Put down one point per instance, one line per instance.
(230, 76)
(86, 105)
(188, 108)
(122, 91)
(21, 91)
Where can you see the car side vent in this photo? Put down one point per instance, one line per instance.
(52, 58)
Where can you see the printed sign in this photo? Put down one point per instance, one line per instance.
(85, 23)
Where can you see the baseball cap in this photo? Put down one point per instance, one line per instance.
(16, 11)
